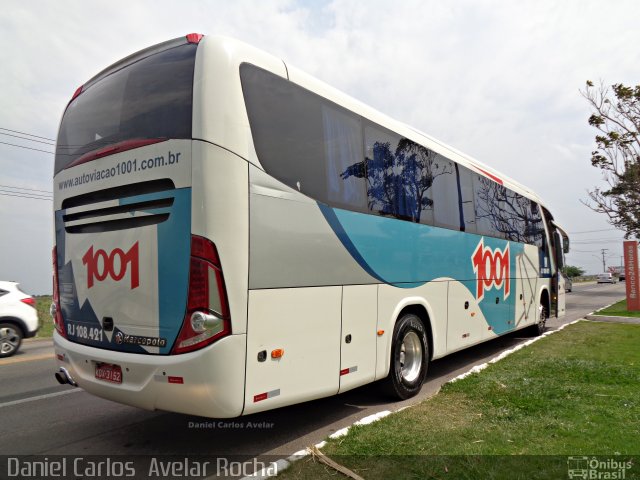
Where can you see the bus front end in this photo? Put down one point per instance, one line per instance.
(141, 305)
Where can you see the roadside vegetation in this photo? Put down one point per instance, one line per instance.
(43, 302)
(618, 310)
(573, 393)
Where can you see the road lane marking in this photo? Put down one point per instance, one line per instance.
(39, 397)
(32, 358)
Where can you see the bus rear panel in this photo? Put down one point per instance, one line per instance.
(139, 291)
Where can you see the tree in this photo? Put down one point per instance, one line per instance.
(507, 212)
(571, 271)
(398, 182)
(616, 116)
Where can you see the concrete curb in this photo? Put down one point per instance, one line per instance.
(283, 464)
(613, 319)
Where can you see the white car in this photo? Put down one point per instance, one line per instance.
(18, 318)
(606, 278)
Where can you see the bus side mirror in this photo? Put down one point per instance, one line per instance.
(565, 244)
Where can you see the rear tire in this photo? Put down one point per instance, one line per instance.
(541, 324)
(10, 339)
(409, 357)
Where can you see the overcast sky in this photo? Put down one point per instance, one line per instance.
(498, 80)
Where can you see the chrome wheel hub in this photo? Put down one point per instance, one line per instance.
(9, 340)
(410, 357)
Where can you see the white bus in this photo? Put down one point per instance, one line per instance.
(232, 236)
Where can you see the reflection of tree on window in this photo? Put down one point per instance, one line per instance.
(399, 182)
(504, 213)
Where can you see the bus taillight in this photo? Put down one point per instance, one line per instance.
(194, 37)
(207, 317)
(56, 314)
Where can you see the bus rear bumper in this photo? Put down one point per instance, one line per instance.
(207, 382)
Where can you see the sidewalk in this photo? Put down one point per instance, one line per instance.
(613, 319)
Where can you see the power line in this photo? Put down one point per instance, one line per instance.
(28, 134)
(49, 194)
(593, 231)
(46, 151)
(26, 196)
(28, 148)
(595, 240)
(46, 195)
(24, 188)
(50, 142)
(27, 139)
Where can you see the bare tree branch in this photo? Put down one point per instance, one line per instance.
(616, 117)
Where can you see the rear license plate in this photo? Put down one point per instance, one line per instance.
(109, 373)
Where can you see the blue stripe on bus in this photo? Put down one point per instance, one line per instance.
(408, 255)
(331, 217)
(174, 246)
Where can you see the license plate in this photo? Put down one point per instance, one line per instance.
(109, 373)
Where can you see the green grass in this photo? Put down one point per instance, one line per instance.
(576, 392)
(618, 310)
(43, 302)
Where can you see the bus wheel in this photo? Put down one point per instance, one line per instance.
(409, 357)
(541, 325)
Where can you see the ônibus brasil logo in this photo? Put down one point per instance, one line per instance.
(491, 268)
(108, 267)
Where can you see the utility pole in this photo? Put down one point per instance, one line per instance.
(604, 268)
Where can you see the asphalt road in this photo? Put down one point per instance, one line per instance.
(41, 417)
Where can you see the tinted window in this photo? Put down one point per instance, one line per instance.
(466, 199)
(402, 176)
(334, 156)
(488, 196)
(535, 228)
(446, 204)
(515, 214)
(150, 98)
(343, 145)
(503, 213)
(304, 140)
(3, 292)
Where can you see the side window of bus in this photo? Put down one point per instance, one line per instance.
(343, 150)
(515, 216)
(389, 190)
(535, 228)
(403, 178)
(304, 140)
(488, 196)
(466, 197)
(522, 219)
(446, 205)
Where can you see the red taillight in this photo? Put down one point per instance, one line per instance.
(207, 316)
(203, 248)
(29, 301)
(55, 307)
(76, 93)
(194, 37)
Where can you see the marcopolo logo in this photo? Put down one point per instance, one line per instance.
(125, 338)
(101, 265)
(491, 268)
